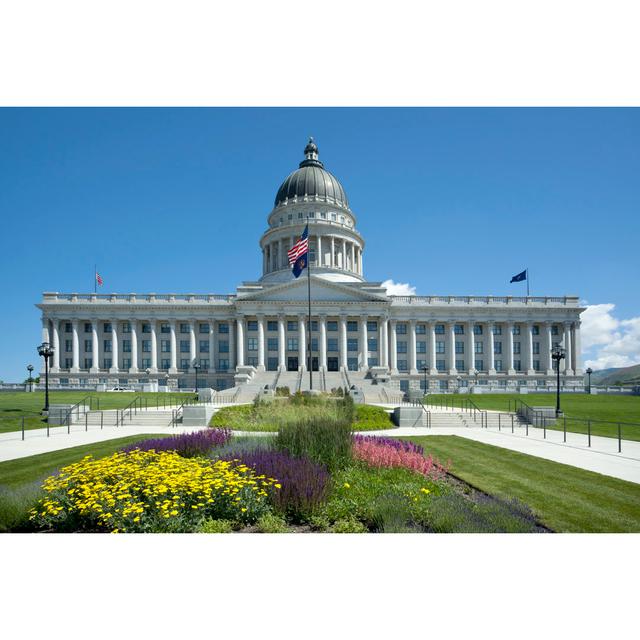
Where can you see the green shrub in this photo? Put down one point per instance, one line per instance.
(215, 526)
(15, 505)
(349, 525)
(319, 523)
(369, 418)
(272, 523)
(283, 391)
(393, 514)
(232, 417)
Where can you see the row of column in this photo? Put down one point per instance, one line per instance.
(343, 254)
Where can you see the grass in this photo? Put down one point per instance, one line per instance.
(16, 404)
(577, 407)
(564, 498)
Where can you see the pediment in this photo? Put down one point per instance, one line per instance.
(321, 291)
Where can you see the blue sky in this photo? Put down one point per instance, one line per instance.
(450, 201)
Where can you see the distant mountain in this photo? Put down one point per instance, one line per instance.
(618, 375)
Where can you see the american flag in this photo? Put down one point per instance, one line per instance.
(98, 279)
(299, 248)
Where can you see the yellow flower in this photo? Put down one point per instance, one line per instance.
(346, 485)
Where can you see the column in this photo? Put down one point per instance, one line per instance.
(240, 341)
(264, 264)
(280, 256)
(154, 346)
(382, 342)
(353, 257)
(319, 249)
(323, 343)
(568, 371)
(431, 329)
(332, 262)
(491, 364)
(343, 342)
(547, 361)
(360, 261)
(281, 345)
(212, 345)
(95, 348)
(393, 347)
(174, 351)
(528, 346)
(451, 348)
(471, 358)
(56, 346)
(302, 345)
(577, 352)
(134, 347)
(413, 367)
(364, 349)
(45, 330)
(232, 344)
(261, 350)
(509, 348)
(193, 354)
(76, 347)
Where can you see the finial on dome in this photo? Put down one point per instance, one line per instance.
(311, 154)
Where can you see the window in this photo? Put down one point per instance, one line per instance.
(272, 364)
(184, 327)
(146, 346)
(352, 344)
(272, 325)
(439, 329)
(497, 348)
(88, 363)
(184, 364)
(107, 363)
(372, 344)
(517, 365)
(126, 363)
(554, 330)
(184, 346)
(204, 327)
(88, 346)
(126, 346)
(314, 344)
(535, 329)
(223, 364)
(146, 363)
(373, 362)
(458, 329)
(477, 329)
(272, 344)
(126, 327)
(106, 327)
(352, 364)
(372, 325)
(479, 365)
(402, 365)
(352, 325)
(87, 327)
(252, 361)
(439, 346)
(440, 366)
(332, 344)
(421, 329)
(497, 329)
(68, 363)
(204, 364)
(223, 327)
(252, 325)
(252, 344)
(536, 348)
(223, 346)
(332, 325)
(479, 347)
(459, 346)
(165, 346)
(146, 327)
(460, 365)
(516, 347)
(424, 384)
(203, 346)
(165, 328)
(292, 325)
(516, 329)
(314, 325)
(498, 365)
(165, 363)
(68, 345)
(68, 327)
(536, 365)
(401, 329)
(292, 344)
(401, 346)
(421, 346)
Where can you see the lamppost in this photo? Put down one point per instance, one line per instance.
(196, 366)
(30, 370)
(424, 370)
(589, 371)
(46, 351)
(458, 379)
(166, 381)
(557, 354)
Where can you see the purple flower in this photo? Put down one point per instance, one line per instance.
(188, 445)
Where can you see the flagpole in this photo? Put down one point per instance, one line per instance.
(527, 282)
(95, 279)
(309, 300)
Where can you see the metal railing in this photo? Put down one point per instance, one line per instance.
(76, 408)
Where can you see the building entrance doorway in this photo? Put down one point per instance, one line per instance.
(332, 364)
(292, 364)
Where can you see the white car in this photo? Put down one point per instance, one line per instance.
(121, 389)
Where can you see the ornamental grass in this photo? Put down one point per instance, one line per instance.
(188, 445)
(384, 452)
(149, 491)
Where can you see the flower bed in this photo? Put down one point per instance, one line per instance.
(188, 445)
(149, 491)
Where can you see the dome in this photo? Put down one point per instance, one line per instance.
(311, 180)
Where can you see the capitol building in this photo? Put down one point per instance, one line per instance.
(358, 333)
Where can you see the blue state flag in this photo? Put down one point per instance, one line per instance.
(520, 277)
(299, 265)
(298, 254)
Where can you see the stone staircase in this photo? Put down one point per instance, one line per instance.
(113, 417)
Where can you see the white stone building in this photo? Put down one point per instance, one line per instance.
(358, 333)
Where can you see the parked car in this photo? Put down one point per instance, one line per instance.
(121, 389)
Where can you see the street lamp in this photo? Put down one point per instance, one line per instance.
(589, 371)
(424, 370)
(458, 379)
(30, 370)
(196, 366)
(557, 354)
(46, 351)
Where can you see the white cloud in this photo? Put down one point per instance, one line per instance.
(399, 288)
(608, 341)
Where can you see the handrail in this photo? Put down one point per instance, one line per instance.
(274, 385)
(67, 418)
(132, 407)
(538, 415)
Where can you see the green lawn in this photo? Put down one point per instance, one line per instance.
(32, 468)
(577, 407)
(15, 405)
(564, 498)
